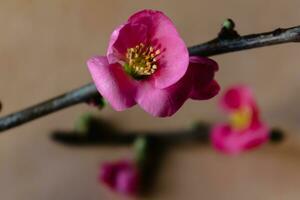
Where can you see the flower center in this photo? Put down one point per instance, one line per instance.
(141, 61)
(241, 119)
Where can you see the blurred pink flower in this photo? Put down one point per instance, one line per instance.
(147, 63)
(245, 130)
(121, 176)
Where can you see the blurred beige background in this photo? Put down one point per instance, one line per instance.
(43, 49)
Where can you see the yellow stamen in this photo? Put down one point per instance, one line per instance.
(142, 60)
(241, 119)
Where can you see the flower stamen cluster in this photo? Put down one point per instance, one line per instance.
(141, 60)
(241, 119)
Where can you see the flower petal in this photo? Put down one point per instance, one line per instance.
(162, 35)
(107, 174)
(163, 102)
(202, 71)
(173, 62)
(197, 83)
(205, 92)
(123, 37)
(128, 181)
(112, 83)
(226, 140)
(237, 97)
(121, 176)
(110, 51)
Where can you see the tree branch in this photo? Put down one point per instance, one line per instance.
(219, 46)
(100, 132)
(71, 98)
(211, 48)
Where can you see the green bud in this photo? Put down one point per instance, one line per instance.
(228, 24)
(82, 124)
(140, 148)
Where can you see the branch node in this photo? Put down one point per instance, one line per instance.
(277, 31)
(228, 30)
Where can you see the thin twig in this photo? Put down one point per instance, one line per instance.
(213, 47)
(74, 138)
(99, 132)
(74, 97)
(216, 47)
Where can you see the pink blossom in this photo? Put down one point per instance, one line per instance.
(245, 130)
(147, 63)
(121, 176)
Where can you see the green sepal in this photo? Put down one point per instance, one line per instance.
(140, 149)
(82, 124)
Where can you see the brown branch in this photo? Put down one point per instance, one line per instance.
(213, 47)
(94, 131)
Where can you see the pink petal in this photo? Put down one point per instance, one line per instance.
(237, 97)
(173, 62)
(163, 102)
(121, 176)
(197, 83)
(112, 83)
(127, 181)
(205, 92)
(143, 16)
(123, 37)
(110, 50)
(107, 175)
(201, 72)
(162, 34)
(228, 141)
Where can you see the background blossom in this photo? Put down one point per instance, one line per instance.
(245, 129)
(121, 176)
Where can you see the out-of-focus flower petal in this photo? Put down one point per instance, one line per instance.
(128, 181)
(237, 97)
(121, 176)
(246, 130)
(107, 174)
(229, 141)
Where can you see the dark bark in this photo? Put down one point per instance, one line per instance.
(214, 47)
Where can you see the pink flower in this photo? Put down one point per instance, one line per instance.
(245, 130)
(121, 176)
(147, 63)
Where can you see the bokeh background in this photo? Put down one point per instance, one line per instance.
(43, 49)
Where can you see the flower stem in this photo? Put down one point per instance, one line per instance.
(214, 47)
